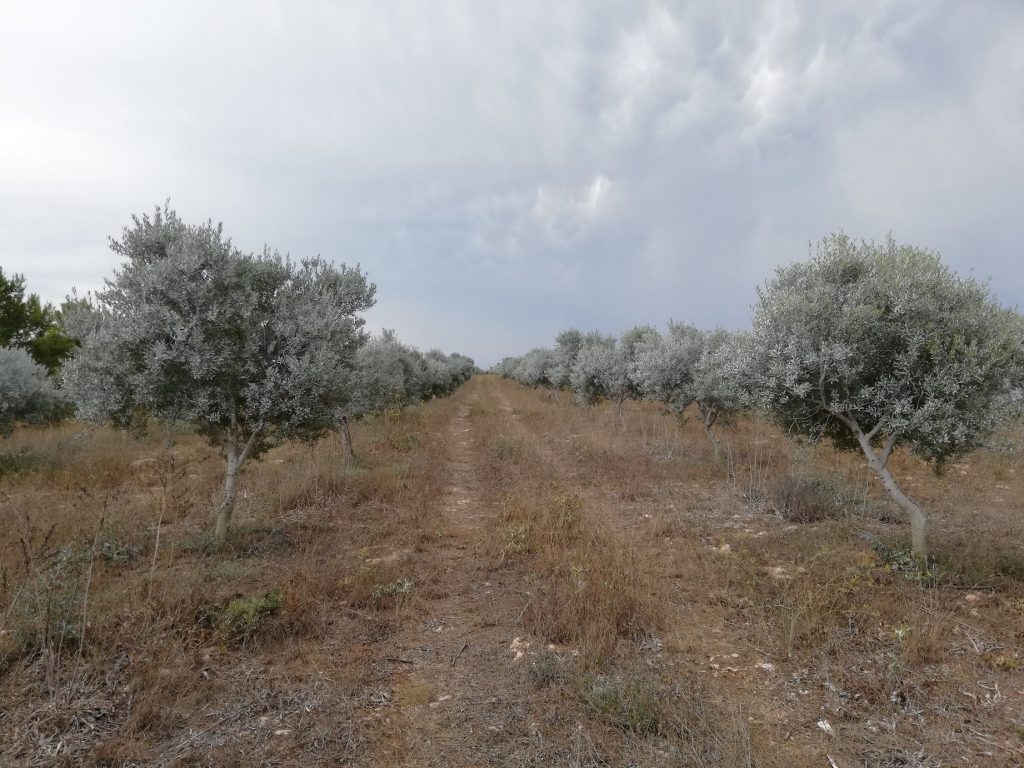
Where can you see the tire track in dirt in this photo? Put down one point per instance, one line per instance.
(458, 697)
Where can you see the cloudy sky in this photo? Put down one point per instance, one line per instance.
(504, 170)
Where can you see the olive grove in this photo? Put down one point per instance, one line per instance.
(688, 366)
(665, 366)
(605, 367)
(874, 346)
(566, 350)
(684, 367)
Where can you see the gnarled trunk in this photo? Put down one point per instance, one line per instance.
(918, 518)
(878, 462)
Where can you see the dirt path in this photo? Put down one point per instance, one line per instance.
(459, 696)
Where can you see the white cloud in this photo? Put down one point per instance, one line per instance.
(599, 163)
(565, 215)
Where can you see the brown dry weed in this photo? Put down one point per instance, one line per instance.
(505, 578)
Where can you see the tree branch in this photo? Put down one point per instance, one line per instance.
(821, 388)
(874, 431)
(849, 421)
(890, 443)
(250, 444)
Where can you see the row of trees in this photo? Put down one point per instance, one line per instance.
(389, 375)
(683, 367)
(252, 349)
(871, 345)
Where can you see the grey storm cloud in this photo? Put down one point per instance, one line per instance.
(505, 170)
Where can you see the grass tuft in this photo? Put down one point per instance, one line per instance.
(241, 618)
(633, 705)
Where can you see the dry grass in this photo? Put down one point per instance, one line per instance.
(123, 621)
(790, 558)
(587, 589)
(676, 610)
(594, 606)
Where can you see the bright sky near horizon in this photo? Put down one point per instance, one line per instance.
(506, 170)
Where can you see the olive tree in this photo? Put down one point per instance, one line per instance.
(389, 375)
(461, 368)
(690, 366)
(251, 349)
(595, 364)
(536, 368)
(567, 347)
(605, 367)
(506, 367)
(26, 392)
(881, 345)
(664, 368)
(444, 373)
(385, 374)
(721, 379)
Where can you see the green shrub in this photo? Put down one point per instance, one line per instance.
(47, 613)
(1010, 565)
(245, 540)
(517, 540)
(14, 463)
(242, 617)
(900, 558)
(118, 552)
(566, 509)
(231, 570)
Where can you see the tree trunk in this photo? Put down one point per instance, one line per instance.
(227, 504)
(708, 417)
(346, 437)
(235, 460)
(715, 442)
(618, 407)
(918, 518)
